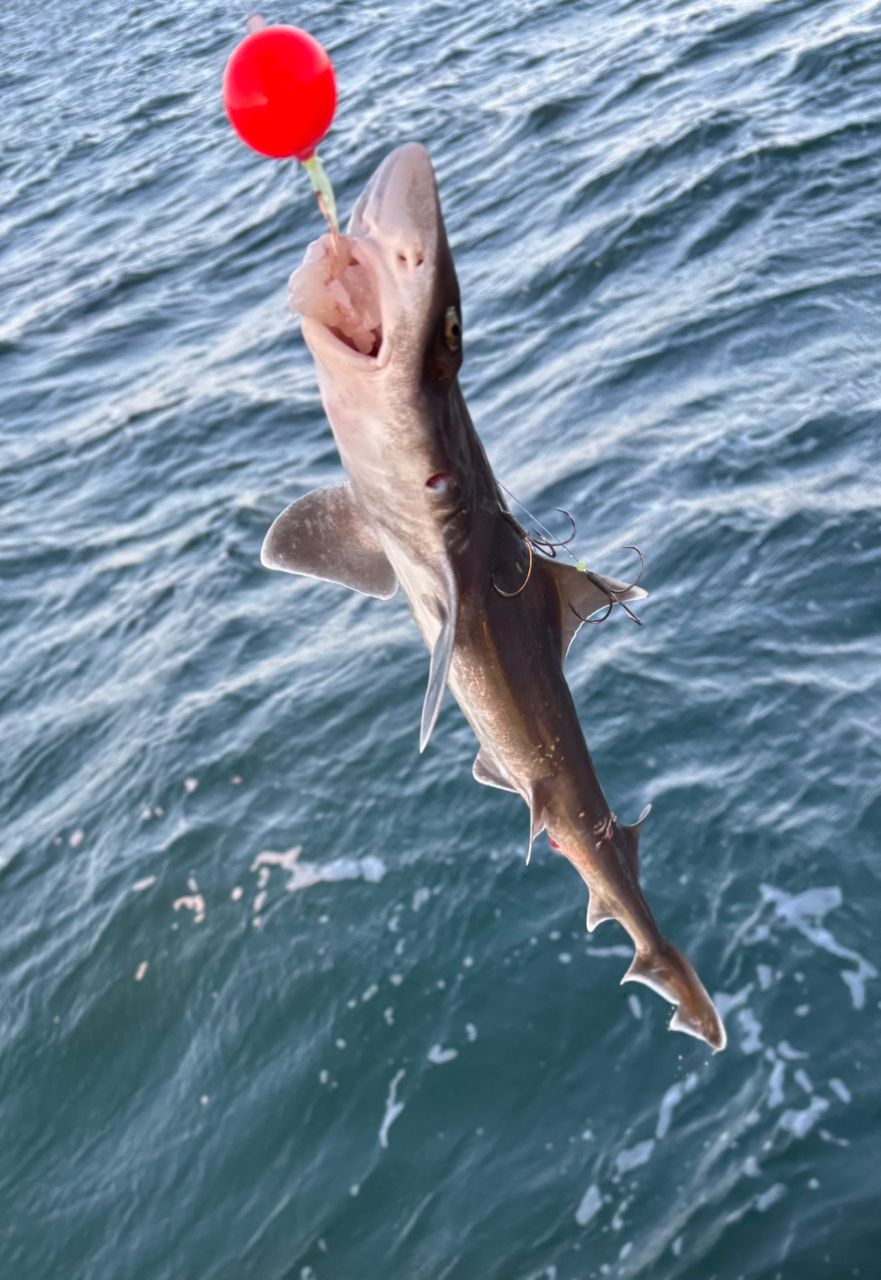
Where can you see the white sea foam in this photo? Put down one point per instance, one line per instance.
(633, 1157)
(591, 1203)
(770, 1197)
(191, 902)
(671, 1100)
(775, 1084)
(801, 1122)
(839, 1087)
(439, 1055)
(287, 861)
(393, 1108)
(725, 1002)
(806, 912)
(752, 1031)
(305, 874)
(618, 1220)
(803, 1080)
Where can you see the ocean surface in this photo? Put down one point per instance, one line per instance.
(279, 999)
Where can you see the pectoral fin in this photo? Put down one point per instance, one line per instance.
(325, 535)
(582, 594)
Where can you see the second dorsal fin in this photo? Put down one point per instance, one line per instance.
(631, 840)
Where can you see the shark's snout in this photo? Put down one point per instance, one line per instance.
(398, 209)
(371, 297)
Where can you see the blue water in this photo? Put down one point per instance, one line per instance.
(396, 1053)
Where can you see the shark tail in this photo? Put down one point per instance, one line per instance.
(667, 972)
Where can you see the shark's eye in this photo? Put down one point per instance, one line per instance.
(452, 329)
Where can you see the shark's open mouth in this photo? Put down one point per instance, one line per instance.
(336, 289)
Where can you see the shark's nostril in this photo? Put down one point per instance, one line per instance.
(410, 258)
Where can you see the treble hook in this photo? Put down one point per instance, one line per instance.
(641, 565)
(612, 595)
(595, 622)
(548, 545)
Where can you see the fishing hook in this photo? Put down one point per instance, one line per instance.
(612, 595)
(641, 564)
(509, 595)
(548, 545)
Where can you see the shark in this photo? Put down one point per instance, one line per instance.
(421, 510)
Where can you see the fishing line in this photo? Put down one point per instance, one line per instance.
(551, 540)
(550, 545)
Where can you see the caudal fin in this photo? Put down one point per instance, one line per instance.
(667, 972)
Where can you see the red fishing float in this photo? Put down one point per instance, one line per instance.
(279, 92)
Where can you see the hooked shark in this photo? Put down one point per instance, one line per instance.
(381, 315)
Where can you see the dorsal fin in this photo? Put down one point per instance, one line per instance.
(598, 910)
(582, 594)
(325, 535)
(631, 840)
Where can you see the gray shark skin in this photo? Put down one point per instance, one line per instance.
(423, 510)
